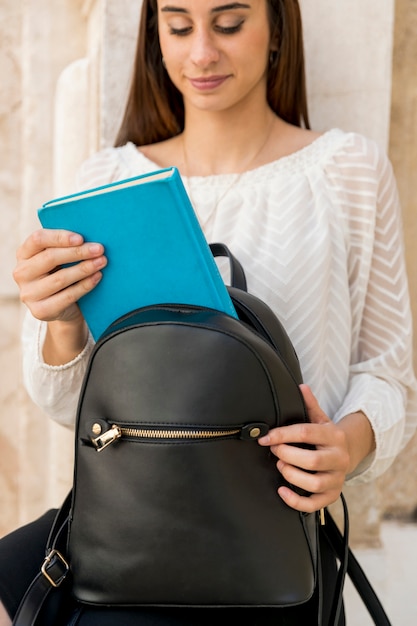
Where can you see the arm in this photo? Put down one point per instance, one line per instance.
(64, 341)
(339, 449)
(377, 416)
(56, 341)
(382, 382)
(54, 388)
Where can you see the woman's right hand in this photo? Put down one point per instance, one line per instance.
(48, 287)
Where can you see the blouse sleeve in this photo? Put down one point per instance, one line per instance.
(55, 389)
(382, 382)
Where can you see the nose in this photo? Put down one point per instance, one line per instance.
(204, 52)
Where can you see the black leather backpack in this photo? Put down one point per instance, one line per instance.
(174, 504)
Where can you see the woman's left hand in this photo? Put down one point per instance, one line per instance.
(320, 471)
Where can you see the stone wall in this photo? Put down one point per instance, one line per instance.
(10, 182)
(398, 487)
(32, 57)
(65, 66)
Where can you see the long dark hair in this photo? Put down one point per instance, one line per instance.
(155, 108)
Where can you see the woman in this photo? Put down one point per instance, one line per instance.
(219, 92)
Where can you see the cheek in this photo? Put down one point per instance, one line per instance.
(253, 56)
(171, 54)
(170, 46)
(254, 48)
(260, 44)
(173, 47)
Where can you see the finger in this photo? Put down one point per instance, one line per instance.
(48, 260)
(315, 412)
(54, 307)
(59, 280)
(66, 276)
(313, 482)
(47, 238)
(307, 504)
(304, 434)
(310, 460)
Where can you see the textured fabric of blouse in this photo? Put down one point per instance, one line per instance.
(319, 235)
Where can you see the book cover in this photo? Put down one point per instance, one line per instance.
(156, 250)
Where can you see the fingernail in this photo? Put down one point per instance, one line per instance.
(100, 262)
(95, 248)
(75, 239)
(96, 278)
(264, 440)
(284, 492)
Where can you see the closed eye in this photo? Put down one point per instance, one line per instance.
(224, 30)
(229, 30)
(180, 32)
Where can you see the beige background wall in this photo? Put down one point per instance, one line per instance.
(64, 67)
(399, 486)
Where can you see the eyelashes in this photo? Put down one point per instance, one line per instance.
(229, 30)
(223, 30)
(179, 32)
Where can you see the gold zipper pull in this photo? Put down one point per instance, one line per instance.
(107, 438)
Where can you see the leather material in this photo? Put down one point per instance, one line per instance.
(42, 593)
(237, 273)
(177, 522)
(31, 605)
(100, 513)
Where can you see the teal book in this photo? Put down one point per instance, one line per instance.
(156, 250)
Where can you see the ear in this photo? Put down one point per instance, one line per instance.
(274, 40)
(273, 52)
(274, 46)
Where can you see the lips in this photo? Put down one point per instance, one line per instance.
(208, 83)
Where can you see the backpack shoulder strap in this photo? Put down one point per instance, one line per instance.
(52, 577)
(349, 565)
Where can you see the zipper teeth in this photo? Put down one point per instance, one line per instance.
(155, 433)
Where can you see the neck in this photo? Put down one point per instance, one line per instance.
(225, 143)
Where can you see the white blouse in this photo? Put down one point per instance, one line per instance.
(319, 236)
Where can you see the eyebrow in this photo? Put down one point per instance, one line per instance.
(225, 7)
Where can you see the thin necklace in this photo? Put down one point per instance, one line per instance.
(234, 182)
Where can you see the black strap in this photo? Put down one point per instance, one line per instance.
(53, 577)
(237, 274)
(342, 554)
(355, 573)
(35, 599)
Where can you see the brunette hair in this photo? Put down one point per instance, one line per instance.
(155, 109)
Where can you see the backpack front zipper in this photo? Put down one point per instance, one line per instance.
(248, 432)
